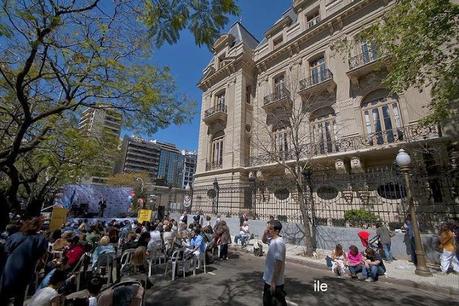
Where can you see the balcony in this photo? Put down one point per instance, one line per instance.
(360, 143)
(215, 113)
(279, 98)
(362, 64)
(313, 22)
(213, 165)
(318, 82)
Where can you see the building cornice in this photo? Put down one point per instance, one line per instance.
(284, 22)
(220, 171)
(242, 60)
(331, 23)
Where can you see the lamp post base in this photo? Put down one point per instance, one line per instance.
(423, 272)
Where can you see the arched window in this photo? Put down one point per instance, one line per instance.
(217, 150)
(323, 126)
(382, 119)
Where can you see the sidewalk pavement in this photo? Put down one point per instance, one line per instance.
(399, 271)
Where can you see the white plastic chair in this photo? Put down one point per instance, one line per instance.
(198, 260)
(178, 261)
(126, 258)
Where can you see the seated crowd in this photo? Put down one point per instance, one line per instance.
(369, 263)
(50, 261)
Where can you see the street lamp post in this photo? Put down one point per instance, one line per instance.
(403, 159)
(217, 190)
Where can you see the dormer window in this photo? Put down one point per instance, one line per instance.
(312, 19)
(221, 61)
(277, 41)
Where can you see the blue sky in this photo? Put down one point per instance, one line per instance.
(187, 61)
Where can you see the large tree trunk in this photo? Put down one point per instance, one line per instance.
(4, 211)
(308, 237)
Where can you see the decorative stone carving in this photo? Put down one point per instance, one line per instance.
(356, 165)
(340, 166)
(260, 176)
(348, 194)
(364, 195)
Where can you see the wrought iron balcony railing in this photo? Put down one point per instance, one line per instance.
(316, 78)
(364, 58)
(411, 133)
(280, 93)
(213, 165)
(215, 109)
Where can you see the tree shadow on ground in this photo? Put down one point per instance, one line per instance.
(246, 287)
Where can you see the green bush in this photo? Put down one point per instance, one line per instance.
(360, 217)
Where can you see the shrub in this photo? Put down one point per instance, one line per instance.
(360, 217)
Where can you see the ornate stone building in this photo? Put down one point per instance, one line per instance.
(354, 126)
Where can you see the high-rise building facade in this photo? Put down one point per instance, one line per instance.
(354, 124)
(171, 165)
(189, 168)
(139, 155)
(165, 164)
(104, 124)
(101, 123)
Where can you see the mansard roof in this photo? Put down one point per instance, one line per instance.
(241, 34)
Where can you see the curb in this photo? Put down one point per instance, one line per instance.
(390, 280)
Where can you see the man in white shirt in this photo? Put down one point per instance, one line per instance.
(273, 275)
(44, 296)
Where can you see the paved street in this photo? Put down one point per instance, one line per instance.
(238, 282)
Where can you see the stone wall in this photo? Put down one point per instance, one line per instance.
(329, 236)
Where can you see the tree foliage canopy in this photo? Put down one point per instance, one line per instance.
(59, 57)
(419, 37)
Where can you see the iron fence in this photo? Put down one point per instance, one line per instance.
(379, 191)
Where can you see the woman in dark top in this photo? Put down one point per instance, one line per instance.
(24, 249)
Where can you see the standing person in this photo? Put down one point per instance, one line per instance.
(217, 221)
(224, 238)
(385, 237)
(24, 249)
(273, 276)
(102, 206)
(448, 257)
(184, 218)
(409, 238)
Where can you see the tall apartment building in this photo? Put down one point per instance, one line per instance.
(189, 168)
(354, 125)
(139, 155)
(105, 125)
(171, 164)
(162, 161)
